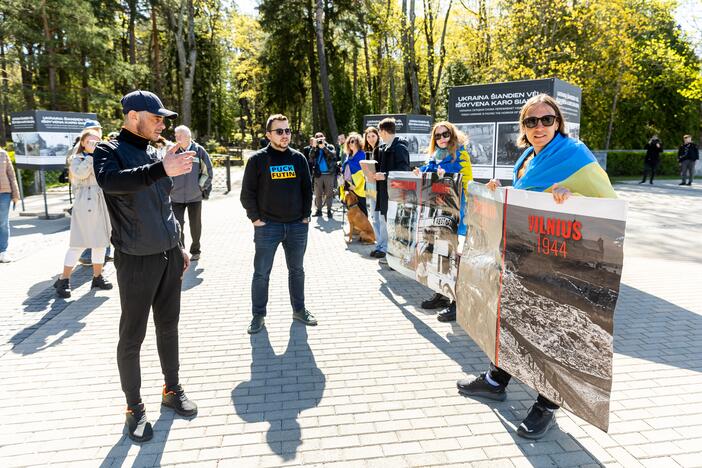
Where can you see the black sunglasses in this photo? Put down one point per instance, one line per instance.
(547, 120)
(440, 136)
(280, 131)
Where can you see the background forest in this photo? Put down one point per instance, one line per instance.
(327, 63)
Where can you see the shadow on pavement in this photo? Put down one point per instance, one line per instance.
(648, 327)
(42, 296)
(150, 453)
(192, 276)
(460, 348)
(26, 226)
(281, 387)
(325, 224)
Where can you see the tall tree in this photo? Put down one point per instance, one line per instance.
(324, 76)
(187, 52)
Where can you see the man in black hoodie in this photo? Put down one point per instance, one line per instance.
(394, 156)
(276, 192)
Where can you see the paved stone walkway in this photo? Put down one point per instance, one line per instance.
(372, 385)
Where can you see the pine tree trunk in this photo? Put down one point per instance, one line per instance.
(324, 75)
(49, 44)
(5, 117)
(156, 48)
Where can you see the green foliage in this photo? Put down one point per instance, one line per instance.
(630, 163)
(637, 70)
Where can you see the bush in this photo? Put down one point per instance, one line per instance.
(630, 163)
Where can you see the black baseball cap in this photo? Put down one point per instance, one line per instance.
(145, 101)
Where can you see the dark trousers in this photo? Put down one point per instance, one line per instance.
(502, 377)
(293, 236)
(147, 281)
(195, 218)
(649, 169)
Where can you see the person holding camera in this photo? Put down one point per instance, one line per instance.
(653, 148)
(324, 167)
(190, 189)
(90, 224)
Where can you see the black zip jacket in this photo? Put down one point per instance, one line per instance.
(277, 186)
(137, 192)
(392, 157)
(688, 151)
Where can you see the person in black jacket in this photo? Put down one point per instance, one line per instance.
(688, 154)
(276, 192)
(653, 148)
(393, 156)
(149, 260)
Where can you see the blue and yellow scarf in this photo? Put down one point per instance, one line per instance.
(568, 163)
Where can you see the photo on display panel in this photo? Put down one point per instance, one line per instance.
(27, 143)
(418, 147)
(507, 150)
(56, 144)
(480, 143)
(573, 130)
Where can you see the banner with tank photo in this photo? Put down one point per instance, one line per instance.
(42, 139)
(423, 216)
(537, 287)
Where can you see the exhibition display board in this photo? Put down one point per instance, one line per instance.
(415, 129)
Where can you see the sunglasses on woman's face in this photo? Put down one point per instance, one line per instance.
(281, 131)
(547, 120)
(441, 136)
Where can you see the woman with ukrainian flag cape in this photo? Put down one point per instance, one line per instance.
(351, 171)
(552, 162)
(448, 155)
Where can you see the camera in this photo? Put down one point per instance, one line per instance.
(320, 141)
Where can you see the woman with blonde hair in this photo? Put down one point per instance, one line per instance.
(90, 222)
(551, 162)
(448, 155)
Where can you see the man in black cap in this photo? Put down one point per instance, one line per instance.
(150, 261)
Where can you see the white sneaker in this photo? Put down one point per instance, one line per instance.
(5, 257)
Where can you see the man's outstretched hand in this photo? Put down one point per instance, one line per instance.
(177, 164)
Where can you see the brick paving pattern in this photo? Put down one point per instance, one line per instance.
(372, 385)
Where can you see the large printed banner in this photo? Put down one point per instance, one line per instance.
(423, 216)
(537, 288)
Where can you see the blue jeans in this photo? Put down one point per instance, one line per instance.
(293, 236)
(5, 199)
(380, 226)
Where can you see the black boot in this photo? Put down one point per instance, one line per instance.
(63, 287)
(437, 301)
(101, 283)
